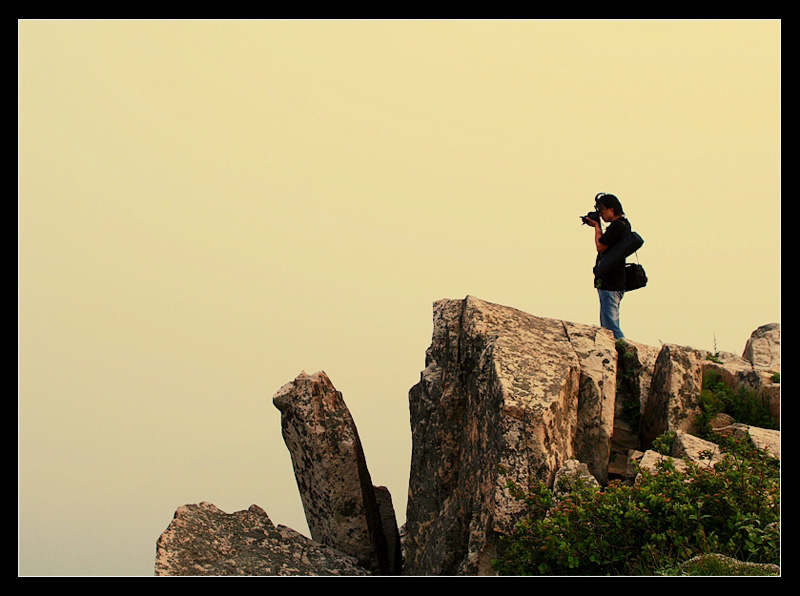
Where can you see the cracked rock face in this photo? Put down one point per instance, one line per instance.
(635, 364)
(504, 396)
(204, 540)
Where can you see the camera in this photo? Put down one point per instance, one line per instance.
(593, 215)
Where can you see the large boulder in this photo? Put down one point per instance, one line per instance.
(763, 349)
(505, 396)
(339, 499)
(202, 539)
(650, 461)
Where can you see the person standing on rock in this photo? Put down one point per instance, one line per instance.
(611, 286)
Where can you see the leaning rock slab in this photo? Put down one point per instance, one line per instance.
(335, 487)
(202, 539)
(390, 530)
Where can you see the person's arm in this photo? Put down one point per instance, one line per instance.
(598, 233)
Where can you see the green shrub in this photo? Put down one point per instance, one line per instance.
(664, 443)
(745, 405)
(652, 527)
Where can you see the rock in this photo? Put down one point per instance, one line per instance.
(762, 438)
(673, 401)
(501, 391)
(390, 530)
(505, 396)
(763, 349)
(632, 463)
(635, 364)
(204, 540)
(650, 459)
(756, 369)
(720, 420)
(330, 468)
(691, 448)
(569, 475)
(597, 360)
(721, 565)
(739, 373)
(772, 394)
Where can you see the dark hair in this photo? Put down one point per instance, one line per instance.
(609, 201)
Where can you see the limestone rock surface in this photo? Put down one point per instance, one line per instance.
(597, 366)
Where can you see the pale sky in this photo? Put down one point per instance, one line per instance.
(207, 208)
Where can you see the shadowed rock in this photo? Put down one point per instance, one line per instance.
(635, 364)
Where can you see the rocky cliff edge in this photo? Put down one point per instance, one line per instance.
(504, 395)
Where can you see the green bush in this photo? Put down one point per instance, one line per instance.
(745, 405)
(652, 527)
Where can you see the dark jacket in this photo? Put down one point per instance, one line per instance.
(614, 279)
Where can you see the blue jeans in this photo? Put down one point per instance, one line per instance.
(609, 311)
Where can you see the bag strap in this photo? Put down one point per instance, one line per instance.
(636, 252)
